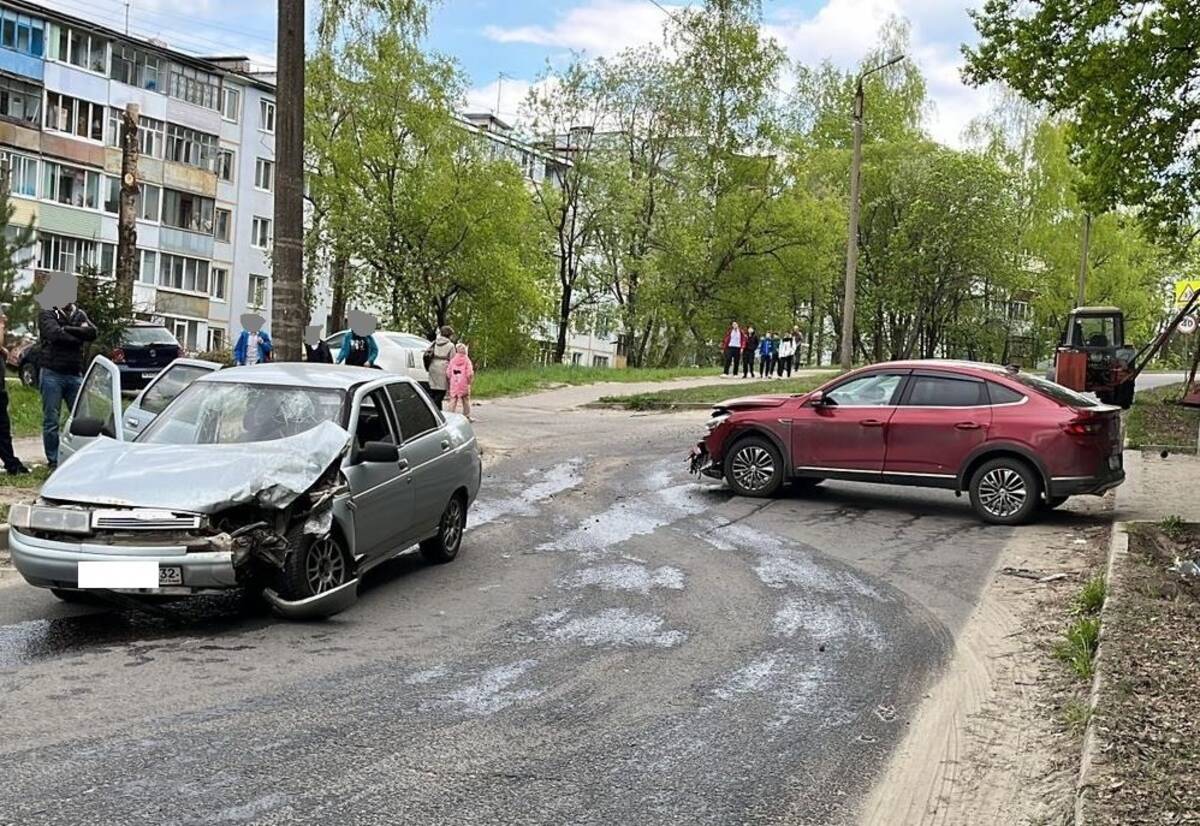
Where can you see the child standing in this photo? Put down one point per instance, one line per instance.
(460, 372)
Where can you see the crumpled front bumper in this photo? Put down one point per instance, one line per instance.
(50, 563)
(700, 462)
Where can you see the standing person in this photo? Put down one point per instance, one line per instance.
(732, 345)
(461, 374)
(787, 350)
(438, 360)
(766, 352)
(358, 345)
(63, 330)
(316, 350)
(253, 343)
(12, 464)
(748, 351)
(797, 341)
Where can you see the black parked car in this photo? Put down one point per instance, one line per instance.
(145, 349)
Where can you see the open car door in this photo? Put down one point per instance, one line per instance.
(96, 411)
(156, 395)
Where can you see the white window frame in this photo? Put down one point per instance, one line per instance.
(258, 299)
(266, 116)
(50, 194)
(264, 167)
(228, 210)
(141, 201)
(213, 334)
(72, 118)
(259, 227)
(27, 162)
(222, 152)
(226, 91)
(170, 258)
(218, 288)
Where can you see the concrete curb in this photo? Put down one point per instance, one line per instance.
(1117, 548)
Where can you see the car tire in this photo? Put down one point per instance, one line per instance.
(1052, 502)
(1005, 491)
(29, 376)
(319, 564)
(754, 467)
(444, 546)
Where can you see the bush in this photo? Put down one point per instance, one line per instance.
(222, 357)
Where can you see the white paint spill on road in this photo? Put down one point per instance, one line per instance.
(826, 623)
(491, 693)
(429, 675)
(616, 627)
(754, 677)
(626, 577)
(558, 479)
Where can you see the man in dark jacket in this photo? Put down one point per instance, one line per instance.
(749, 348)
(64, 330)
(315, 348)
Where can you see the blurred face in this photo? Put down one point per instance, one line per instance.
(363, 324)
(312, 335)
(253, 322)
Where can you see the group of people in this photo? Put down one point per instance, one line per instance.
(776, 354)
(448, 362)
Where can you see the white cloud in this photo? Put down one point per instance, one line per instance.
(598, 28)
(512, 93)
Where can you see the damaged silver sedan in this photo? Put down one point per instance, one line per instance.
(287, 479)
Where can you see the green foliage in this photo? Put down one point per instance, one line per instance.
(16, 244)
(1123, 73)
(24, 410)
(1076, 714)
(1078, 646)
(101, 300)
(1158, 421)
(1173, 526)
(1090, 598)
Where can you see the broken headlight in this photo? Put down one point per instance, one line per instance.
(716, 421)
(54, 520)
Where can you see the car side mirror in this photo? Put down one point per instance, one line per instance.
(379, 452)
(86, 427)
(817, 399)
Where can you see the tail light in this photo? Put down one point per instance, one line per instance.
(1086, 424)
(118, 355)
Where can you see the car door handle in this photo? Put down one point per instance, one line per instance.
(445, 444)
(968, 426)
(872, 422)
(402, 464)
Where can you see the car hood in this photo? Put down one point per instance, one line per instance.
(753, 402)
(197, 478)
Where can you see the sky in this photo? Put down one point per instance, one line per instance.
(503, 45)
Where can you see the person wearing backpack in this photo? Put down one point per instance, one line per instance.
(437, 360)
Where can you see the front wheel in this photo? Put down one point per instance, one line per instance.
(319, 564)
(754, 468)
(444, 547)
(1005, 491)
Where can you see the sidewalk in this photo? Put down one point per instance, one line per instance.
(1156, 488)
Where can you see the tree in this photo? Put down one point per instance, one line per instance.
(1126, 76)
(16, 253)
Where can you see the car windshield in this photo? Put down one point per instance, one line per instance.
(1060, 394)
(148, 335)
(406, 340)
(209, 413)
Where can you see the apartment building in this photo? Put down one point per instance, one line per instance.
(206, 171)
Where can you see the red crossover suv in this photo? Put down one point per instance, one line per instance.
(1014, 441)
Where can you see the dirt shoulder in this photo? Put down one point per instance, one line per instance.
(998, 737)
(1146, 726)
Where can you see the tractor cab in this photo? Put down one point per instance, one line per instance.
(1093, 358)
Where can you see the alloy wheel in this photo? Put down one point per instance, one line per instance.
(753, 468)
(1002, 492)
(452, 524)
(325, 567)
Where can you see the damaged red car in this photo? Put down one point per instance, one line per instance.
(1014, 442)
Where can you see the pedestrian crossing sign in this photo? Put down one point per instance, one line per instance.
(1184, 290)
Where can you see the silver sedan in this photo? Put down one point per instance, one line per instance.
(289, 479)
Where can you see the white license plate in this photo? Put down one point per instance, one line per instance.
(170, 575)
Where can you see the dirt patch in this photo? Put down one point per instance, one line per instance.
(995, 741)
(1147, 721)
(1157, 421)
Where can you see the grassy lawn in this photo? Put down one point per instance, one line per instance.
(24, 409)
(1156, 421)
(19, 488)
(490, 384)
(713, 393)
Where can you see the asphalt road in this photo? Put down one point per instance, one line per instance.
(617, 643)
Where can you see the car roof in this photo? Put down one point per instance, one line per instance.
(298, 373)
(951, 365)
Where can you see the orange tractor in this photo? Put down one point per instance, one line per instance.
(1094, 358)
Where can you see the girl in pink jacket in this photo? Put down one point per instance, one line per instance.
(461, 372)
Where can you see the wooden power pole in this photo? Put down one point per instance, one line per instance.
(127, 256)
(288, 309)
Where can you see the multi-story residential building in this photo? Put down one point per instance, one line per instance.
(206, 171)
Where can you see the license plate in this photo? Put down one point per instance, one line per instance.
(170, 575)
(1114, 462)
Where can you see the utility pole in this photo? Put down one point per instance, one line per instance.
(1081, 288)
(288, 308)
(127, 210)
(847, 360)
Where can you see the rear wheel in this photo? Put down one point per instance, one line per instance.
(444, 547)
(1005, 491)
(754, 467)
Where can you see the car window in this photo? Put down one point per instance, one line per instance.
(374, 423)
(214, 412)
(170, 385)
(413, 411)
(96, 400)
(406, 340)
(943, 391)
(1003, 395)
(875, 390)
(1060, 394)
(148, 335)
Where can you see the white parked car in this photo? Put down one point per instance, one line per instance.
(398, 353)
